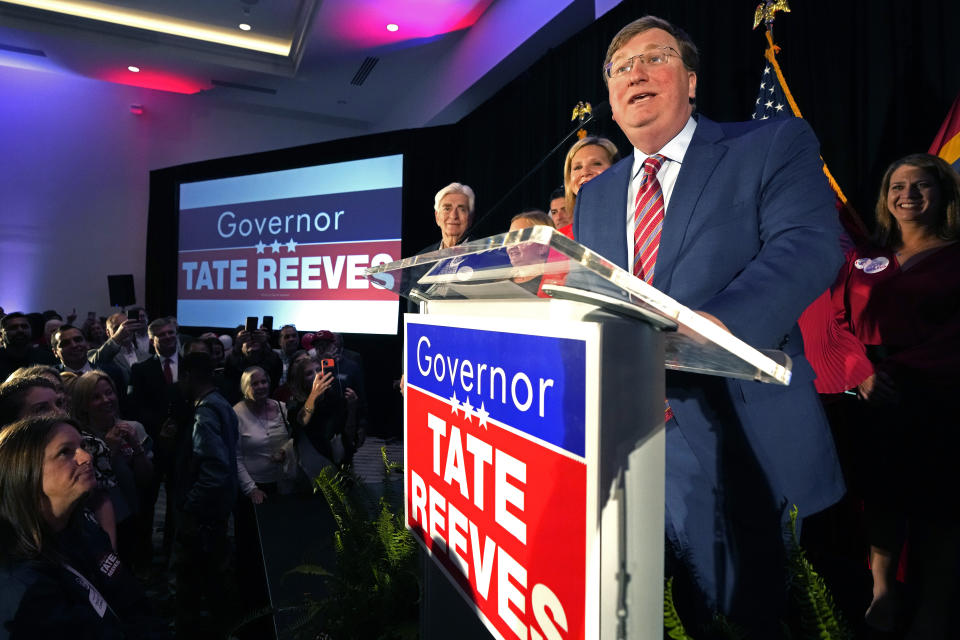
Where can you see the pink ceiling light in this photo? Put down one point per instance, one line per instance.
(159, 80)
(361, 22)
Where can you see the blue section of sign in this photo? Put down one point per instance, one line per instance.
(356, 175)
(337, 217)
(535, 384)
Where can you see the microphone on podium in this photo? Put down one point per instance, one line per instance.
(602, 110)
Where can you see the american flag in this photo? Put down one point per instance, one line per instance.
(771, 100)
(825, 345)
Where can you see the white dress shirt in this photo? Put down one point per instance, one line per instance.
(673, 153)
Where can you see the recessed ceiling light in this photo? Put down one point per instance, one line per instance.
(133, 69)
(244, 26)
(392, 27)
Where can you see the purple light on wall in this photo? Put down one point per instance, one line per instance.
(26, 61)
(363, 22)
(22, 261)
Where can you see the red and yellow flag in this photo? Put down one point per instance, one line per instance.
(947, 142)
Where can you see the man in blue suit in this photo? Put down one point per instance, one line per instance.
(747, 236)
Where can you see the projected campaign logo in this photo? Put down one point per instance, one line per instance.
(496, 472)
(293, 244)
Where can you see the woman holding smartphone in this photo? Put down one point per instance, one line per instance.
(317, 410)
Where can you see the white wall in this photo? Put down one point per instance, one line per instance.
(74, 177)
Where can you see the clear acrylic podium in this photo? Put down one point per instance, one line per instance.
(534, 434)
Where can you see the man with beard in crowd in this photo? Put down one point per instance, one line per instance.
(16, 350)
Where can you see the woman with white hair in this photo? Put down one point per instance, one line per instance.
(264, 451)
(264, 441)
(453, 210)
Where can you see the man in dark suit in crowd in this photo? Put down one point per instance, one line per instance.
(152, 381)
(737, 222)
(70, 347)
(15, 348)
(162, 408)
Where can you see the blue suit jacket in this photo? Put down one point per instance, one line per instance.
(750, 235)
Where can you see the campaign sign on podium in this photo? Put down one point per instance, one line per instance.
(535, 436)
(496, 450)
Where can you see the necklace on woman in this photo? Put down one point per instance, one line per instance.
(265, 419)
(906, 255)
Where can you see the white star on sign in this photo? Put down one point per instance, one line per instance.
(291, 246)
(275, 247)
(482, 414)
(454, 403)
(261, 247)
(467, 409)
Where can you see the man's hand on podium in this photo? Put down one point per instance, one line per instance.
(685, 330)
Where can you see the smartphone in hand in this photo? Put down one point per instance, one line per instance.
(251, 324)
(326, 363)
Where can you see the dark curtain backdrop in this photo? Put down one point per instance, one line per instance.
(874, 78)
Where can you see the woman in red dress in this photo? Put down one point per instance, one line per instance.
(900, 296)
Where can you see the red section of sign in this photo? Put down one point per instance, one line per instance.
(283, 271)
(504, 516)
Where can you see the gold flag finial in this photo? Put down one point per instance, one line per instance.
(766, 11)
(581, 111)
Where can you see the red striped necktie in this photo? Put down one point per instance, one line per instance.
(647, 223)
(647, 220)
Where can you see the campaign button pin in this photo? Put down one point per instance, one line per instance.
(861, 263)
(876, 265)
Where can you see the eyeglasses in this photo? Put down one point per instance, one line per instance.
(653, 58)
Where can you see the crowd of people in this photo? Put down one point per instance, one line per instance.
(226, 422)
(90, 434)
(735, 221)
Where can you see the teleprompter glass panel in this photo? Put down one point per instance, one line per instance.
(540, 262)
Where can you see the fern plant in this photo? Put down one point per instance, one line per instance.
(816, 610)
(812, 611)
(373, 590)
(671, 619)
